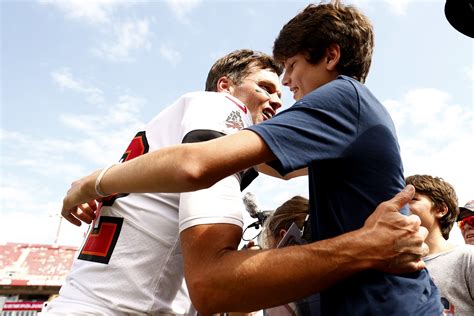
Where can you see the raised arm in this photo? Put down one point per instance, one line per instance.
(220, 278)
(181, 168)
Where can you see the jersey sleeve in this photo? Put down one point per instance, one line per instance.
(209, 116)
(320, 126)
(221, 203)
(218, 112)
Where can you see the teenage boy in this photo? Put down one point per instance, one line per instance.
(450, 266)
(347, 140)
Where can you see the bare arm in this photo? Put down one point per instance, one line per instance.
(220, 278)
(181, 168)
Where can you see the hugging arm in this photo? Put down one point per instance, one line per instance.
(181, 168)
(220, 278)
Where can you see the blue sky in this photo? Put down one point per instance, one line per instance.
(79, 78)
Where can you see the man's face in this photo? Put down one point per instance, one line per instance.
(422, 206)
(260, 91)
(468, 233)
(303, 77)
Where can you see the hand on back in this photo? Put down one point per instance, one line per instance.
(397, 241)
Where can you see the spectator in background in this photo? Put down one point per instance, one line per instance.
(295, 210)
(276, 227)
(450, 266)
(466, 222)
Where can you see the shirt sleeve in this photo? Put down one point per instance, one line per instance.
(204, 119)
(221, 203)
(321, 126)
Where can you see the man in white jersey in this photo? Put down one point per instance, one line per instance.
(131, 261)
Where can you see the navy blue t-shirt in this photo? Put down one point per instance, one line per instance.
(347, 139)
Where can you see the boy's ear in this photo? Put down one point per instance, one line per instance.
(224, 84)
(441, 211)
(333, 55)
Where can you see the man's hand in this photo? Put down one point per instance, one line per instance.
(397, 241)
(79, 203)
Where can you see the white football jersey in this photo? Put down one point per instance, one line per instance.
(131, 262)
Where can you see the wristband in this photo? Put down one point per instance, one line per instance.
(98, 190)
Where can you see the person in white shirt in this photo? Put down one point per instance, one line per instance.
(450, 266)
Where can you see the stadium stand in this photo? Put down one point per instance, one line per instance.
(30, 274)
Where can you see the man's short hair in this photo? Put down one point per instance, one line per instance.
(238, 64)
(442, 194)
(315, 28)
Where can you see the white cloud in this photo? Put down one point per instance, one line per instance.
(105, 136)
(435, 137)
(40, 169)
(362, 4)
(106, 133)
(430, 112)
(182, 8)
(32, 156)
(469, 71)
(170, 54)
(130, 36)
(90, 11)
(41, 228)
(66, 80)
(125, 111)
(398, 6)
(30, 213)
(100, 140)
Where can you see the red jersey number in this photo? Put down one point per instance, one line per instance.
(137, 147)
(100, 242)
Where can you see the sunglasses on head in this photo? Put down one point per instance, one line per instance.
(469, 220)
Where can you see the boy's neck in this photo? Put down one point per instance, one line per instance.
(437, 243)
